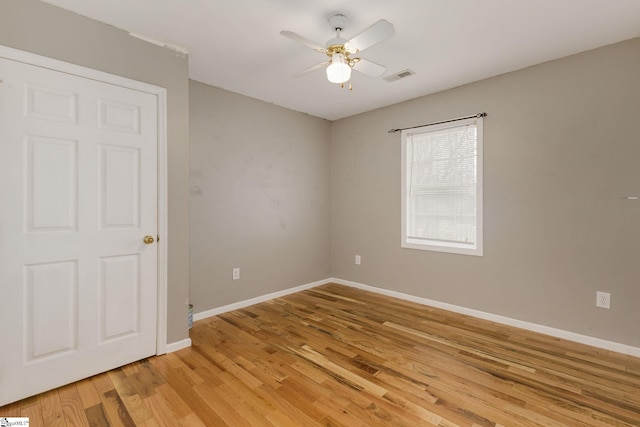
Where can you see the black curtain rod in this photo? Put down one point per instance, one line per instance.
(439, 123)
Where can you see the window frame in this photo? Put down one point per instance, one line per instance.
(441, 246)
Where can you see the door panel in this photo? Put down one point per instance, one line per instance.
(119, 117)
(120, 290)
(50, 299)
(78, 178)
(51, 184)
(51, 104)
(120, 186)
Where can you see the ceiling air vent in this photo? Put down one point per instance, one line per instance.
(399, 75)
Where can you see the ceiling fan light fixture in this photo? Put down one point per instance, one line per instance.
(338, 71)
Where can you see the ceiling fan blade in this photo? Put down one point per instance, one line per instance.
(311, 69)
(376, 33)
(298, 38)
(369, 68)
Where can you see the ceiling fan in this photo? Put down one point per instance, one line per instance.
(341, 51)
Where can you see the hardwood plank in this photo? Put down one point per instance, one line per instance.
(192, 420)
(161, 411)
(296, 395)
(88, 393)
(189, 394)
(102, 383)
(173, 401)
(72, 407)
(33, 411)
(55, 420)
(11, 410)
(115, 410)
(96, 416)
(130, 369)
(132, 401)
(228, 407)
(142, 382)
(50, 403)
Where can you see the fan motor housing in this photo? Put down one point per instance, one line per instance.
(335, 44)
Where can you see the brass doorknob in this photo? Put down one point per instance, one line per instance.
(148, 240)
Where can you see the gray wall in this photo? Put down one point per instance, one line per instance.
(263, 205)
(37, 27)
(562, 146)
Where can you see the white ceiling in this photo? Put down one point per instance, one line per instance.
(236, 44)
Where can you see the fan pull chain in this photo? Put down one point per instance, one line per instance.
(342, 86)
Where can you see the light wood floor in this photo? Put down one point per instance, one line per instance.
(336, 356)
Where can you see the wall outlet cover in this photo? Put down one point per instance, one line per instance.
(603, 299)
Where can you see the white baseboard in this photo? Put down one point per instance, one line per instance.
(256, 300)
(546, 330)
(534, 327)
(178, 345)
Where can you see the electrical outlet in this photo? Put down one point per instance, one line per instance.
(358, 259)
(603, 299)
(236, 273)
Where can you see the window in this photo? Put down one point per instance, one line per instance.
(442, 187)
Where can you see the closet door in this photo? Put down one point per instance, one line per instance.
(78, 178)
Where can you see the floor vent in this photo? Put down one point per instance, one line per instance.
(399, 75)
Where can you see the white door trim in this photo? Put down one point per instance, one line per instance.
(161, 94)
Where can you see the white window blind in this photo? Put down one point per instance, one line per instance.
(442, 192)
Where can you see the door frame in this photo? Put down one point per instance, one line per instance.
(161, 96)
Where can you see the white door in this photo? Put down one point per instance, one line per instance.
(78, 286)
